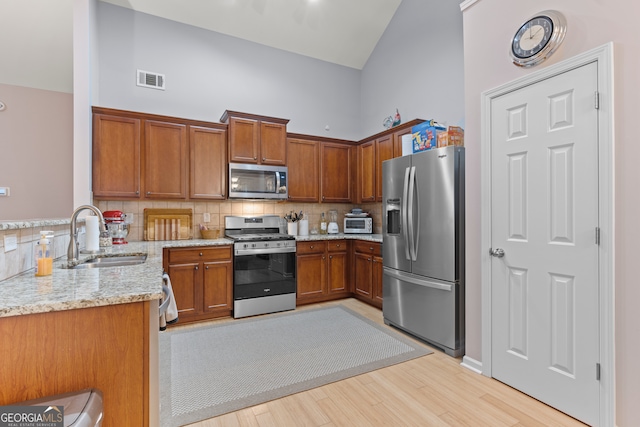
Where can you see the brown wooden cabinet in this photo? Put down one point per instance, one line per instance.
(335, 173)
(208, 163)
(165, 172)
(304, 170)
(367, 170)
(116, 156)
(202, 281)
(105, 347)
(368, 272)
(384, 151)
(138, 155)
(256, 139)
(322, 270)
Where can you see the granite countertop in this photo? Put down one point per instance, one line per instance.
(68, 289)
(366, 237)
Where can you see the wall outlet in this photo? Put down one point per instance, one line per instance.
(10, 242)
(206, 217)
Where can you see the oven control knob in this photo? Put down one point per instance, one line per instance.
(253, 245)
(279, 244)
(245, 246)
(266, 244)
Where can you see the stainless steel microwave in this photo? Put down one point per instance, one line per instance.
(257, 181)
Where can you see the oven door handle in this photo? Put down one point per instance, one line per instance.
(257, 251)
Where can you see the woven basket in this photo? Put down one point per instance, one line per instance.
(210, 234)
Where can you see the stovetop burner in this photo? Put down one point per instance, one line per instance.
(251, 237)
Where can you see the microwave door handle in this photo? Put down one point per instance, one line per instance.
(277, 189)
(404, 217)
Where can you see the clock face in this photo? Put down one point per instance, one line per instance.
(532, 37)
(538, 38)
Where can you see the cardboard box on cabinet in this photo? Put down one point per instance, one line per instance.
(453, 136)
(425, 135)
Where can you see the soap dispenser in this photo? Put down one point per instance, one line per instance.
(43, 255)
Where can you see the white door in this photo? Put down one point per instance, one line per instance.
(544, 216)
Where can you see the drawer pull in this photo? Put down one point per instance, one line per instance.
(196, 267)
(200, 253)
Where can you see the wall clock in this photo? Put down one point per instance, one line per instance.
(538, 38)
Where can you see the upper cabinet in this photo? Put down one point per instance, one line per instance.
(371, 153)
(116, 156)
(335, 167)
(165, 163)
(145, 156)
(304, 170)
(207, 163)
(256, 139)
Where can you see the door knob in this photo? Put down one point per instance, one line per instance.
(498, 252)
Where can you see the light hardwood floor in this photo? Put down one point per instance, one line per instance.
(432, 390)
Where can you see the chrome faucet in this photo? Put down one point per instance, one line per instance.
(72, 251)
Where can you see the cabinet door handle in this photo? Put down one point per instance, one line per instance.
(330, 256)
(137, 192)
(369, 259)
(148, 193)
(207, 267)
(323, 258)
(255, 157)
(196, 268)
(264, 159)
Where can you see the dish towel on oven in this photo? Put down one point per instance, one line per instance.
(171, 315)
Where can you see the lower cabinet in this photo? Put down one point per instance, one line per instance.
(322, 268)
(202, 281)
(368, 272)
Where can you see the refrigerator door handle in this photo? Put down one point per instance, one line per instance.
(404, 216)
(412, 231)
(420, 281)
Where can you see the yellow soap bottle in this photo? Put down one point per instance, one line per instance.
(43, 258)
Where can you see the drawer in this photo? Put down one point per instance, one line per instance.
(336, 245)
(372, 248)
(313, 247)
(206, 253)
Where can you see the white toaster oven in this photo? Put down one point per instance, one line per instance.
(358, 225)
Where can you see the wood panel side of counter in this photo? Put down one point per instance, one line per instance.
(100, 347)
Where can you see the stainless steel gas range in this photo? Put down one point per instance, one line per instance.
(264, 265)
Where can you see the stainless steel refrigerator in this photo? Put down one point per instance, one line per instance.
(423, 246)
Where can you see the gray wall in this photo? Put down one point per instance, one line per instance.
(416, 67)
(208, 72)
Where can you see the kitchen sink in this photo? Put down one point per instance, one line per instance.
(111, 261)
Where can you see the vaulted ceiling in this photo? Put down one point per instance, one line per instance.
(37, 47)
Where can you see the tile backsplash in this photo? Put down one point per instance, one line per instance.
(218, 210)
(27, 233)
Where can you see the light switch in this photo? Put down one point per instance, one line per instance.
(4, 191)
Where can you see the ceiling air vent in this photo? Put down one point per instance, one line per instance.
(152, 80)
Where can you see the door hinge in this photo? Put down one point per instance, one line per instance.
(597, 372)
(597, 100)
(598, 236)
